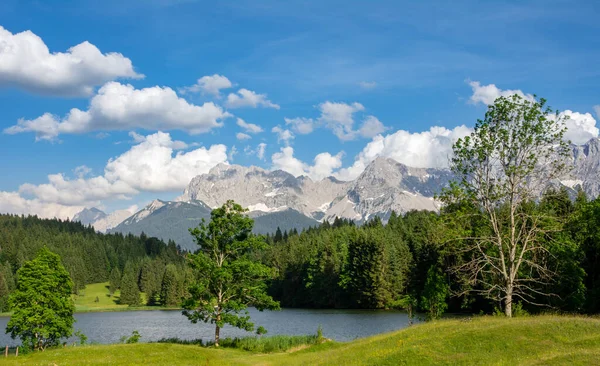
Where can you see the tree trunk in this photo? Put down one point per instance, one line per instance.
(508, 302)
(217, 329)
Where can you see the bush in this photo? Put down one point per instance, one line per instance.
(279, 343)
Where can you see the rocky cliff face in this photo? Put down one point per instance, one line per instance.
(586, 168)
(262, 190)
(385, 185)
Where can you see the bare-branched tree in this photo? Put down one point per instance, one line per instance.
(512, 155)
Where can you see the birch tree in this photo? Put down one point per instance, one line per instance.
(512, 155)
(226, 278)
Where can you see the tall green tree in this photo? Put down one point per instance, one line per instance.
(227, 279)
(42, 303)
(502, 166)
(114, 280)
(130, 292)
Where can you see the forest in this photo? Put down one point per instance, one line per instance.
(412, 260)
(408, 261)
(131, 263)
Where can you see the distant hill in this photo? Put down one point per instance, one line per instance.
(171, 220)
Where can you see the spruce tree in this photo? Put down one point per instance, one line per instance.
(130, 292)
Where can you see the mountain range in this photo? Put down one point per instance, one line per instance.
(276, 198)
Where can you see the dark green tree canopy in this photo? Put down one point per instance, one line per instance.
(42, 303)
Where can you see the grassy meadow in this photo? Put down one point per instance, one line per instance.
(536, 340)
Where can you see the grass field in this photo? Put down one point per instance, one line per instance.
(543, 340)
(86, 300)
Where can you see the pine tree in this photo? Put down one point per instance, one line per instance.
(130, 292)
(170, 289)
(114, 280)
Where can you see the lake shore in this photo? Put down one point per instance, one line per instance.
(484, 340)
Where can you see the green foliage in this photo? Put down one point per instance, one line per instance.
(501, 167)
(170, 292)
(130, 292)
(82, 337)
(42, 304)
(433, 300)
(134, 338)
(114, 280)
(88, 256)
(226, 278)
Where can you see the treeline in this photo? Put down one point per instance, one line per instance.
(132, 263)
(412, 259)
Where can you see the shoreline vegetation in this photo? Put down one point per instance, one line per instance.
(547, 339)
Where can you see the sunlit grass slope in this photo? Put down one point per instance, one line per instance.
(86, 300)
(544, 340)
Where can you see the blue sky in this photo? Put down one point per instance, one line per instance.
(401, 68)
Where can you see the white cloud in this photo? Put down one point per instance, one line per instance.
(368, 85)
(260, 150)
(371, 127)
(249, 127)
(339, 117)
(597, 110)
(283, 134)
(122, 107)
(487, 94)
(210, 84)
(77, 192)
(27, 63)
(13, 202)
(324, 164)
(248, 98)
(428, 149)
(301, 125)
(242, 136)
(232, 153)
(151, 165)
(81, 171)
(581, 127)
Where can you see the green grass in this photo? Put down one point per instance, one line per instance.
(541, 340)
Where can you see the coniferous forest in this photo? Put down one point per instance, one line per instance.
(410, 261)
(131, 263)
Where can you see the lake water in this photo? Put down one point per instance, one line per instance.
(340, 325)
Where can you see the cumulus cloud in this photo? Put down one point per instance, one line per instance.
(153, 165)
(581, 127)
(367, 85)
(210, 84)
(248, 98)
(338, 117)
(242, 136)
(27, 63)
(232, 153)
(13, 202)
(77, 192)
(323, 165)
(301, 125)
(371, 127)
(428, 149)
(122, 107)
(249, 127)
(487, 94)
(283, 135)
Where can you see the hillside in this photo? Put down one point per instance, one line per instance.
(548, 340)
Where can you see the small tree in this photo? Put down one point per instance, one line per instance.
(512, 155)
(42, 303)
(433, 299)
(114, 280)
(227, 279)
